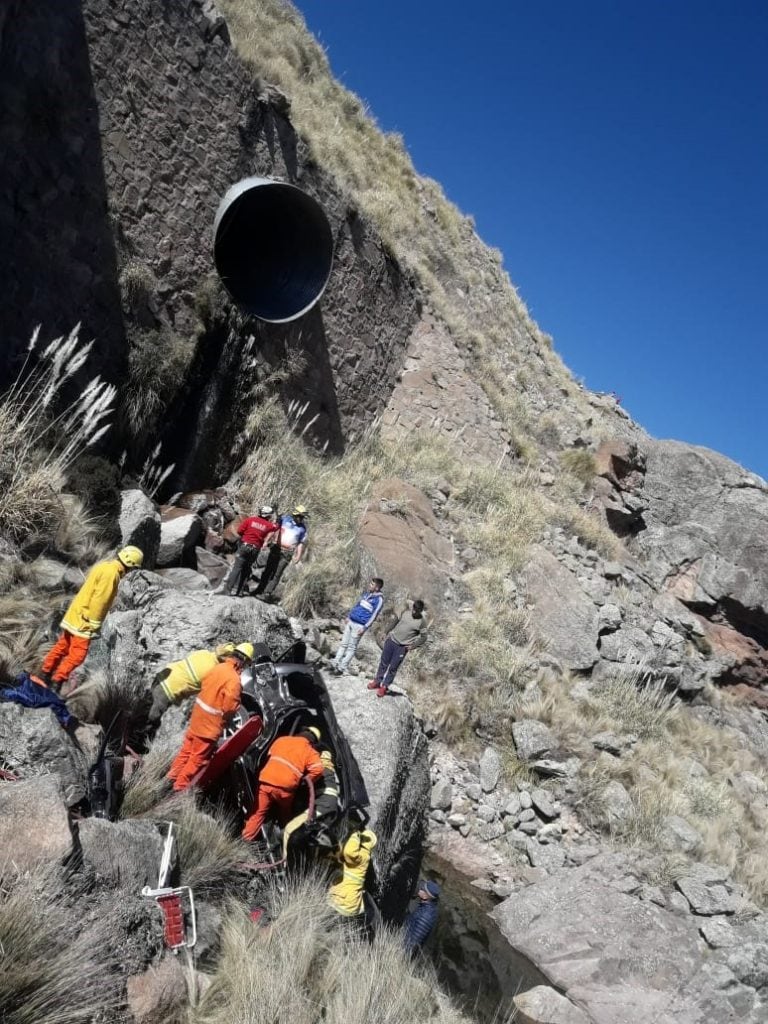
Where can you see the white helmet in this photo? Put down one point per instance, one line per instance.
(266, 510)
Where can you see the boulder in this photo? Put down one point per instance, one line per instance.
(543, 802)
(34, 822)
(622, 960)
(543, 1005)
(391, 751)
(490, 770)
(707, 899)
(442, 796)
(122, 853)
(32, 741)
(629, 645)
(550, 857)
(533, 739)
(158, 994)
(185, 579)
(139, 524)
(401, 535)
(159, 625)
(178, 536)
(615, 804)
(565, 619)
(212, 566)
(677, 836)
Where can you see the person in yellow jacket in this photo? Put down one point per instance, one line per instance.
(181, 679)
(84, 617)
(346, 892)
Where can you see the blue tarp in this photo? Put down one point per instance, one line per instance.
(30, 694)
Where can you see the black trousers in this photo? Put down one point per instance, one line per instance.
(277, 563)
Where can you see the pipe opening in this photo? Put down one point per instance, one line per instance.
(273, 248)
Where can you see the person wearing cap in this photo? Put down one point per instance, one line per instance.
(289, 761)
(348, 886)
(359, 621)
(420, 923)
(408, 633)
(219, 698)
(84, 617)
(289, 547)
(181, 679)
(254, 532)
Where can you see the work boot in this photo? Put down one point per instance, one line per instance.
(381, 691)
(374, 684)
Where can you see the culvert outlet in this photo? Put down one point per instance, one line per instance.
(273, 248)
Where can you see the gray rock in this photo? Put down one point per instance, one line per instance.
(490, 770)
(613, 570)
(676, 835)
(474, 792)
(212, 566)
(529, 827)
(441, 797)
(719, 934)
(464, 830)
(550, 857)
(513, 806)
(532, 739)
(678, 904)
(525, 800)
(619, 958)
(493, 830)
(34, 823)
(33, 742)
(616, 804)
(628, 645)
(552, 769)
(565, 618)
(609, 618)
(438, 817)
(611, 743)
(123, 853)
(486, 812)
(139, 524)
(543, 1005)
(456, 820)
(178, 537)
(749, 963)
(707, 899)
(543, 802)
(528, 814)
(185, 579)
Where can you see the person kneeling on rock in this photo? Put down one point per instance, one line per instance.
(219, 698)
(181, 679)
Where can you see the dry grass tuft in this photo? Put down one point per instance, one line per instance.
(580, 463)
(39, 441)
(148, 786)
(53, 966)
(307, 968)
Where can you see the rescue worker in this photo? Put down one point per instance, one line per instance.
(422, 919)
(289, 547)
(346, 892)
(326, 805)
(290, 758)
(84, 617)
(359, 621)
(219, 697)
(180, 679)
(253, 533)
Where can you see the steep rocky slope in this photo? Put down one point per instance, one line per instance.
(596, 676)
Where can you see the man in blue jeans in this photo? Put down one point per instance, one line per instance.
(409, 632)
(360, 619)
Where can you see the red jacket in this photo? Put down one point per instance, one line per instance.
(290, 759)
(255, 530)
(219, 696)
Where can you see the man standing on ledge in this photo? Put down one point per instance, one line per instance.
(289, 548)
(86, 613)
(360, 619)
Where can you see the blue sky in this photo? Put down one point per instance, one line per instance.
(617, 154)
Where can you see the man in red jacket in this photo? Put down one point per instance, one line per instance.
(219, 697)
(253, 531)
(290, 759)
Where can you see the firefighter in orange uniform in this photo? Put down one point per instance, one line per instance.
(219, 697)
(290, 759)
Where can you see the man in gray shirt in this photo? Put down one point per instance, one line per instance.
(409, 632)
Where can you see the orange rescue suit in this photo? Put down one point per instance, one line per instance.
(219, 696)
(290, 759)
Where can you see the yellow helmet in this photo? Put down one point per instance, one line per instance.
(244, 650)
(223, 650)
(314, 730)
(300, 510)
(131, 557)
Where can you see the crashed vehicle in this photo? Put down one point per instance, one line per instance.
(279, 698)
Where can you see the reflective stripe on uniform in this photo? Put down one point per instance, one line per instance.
(207, 707)
(193, 675)
(288, 764)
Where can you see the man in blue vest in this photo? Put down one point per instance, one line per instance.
(422, 919)
(359, 620)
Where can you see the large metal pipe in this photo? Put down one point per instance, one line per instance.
(273, 248)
